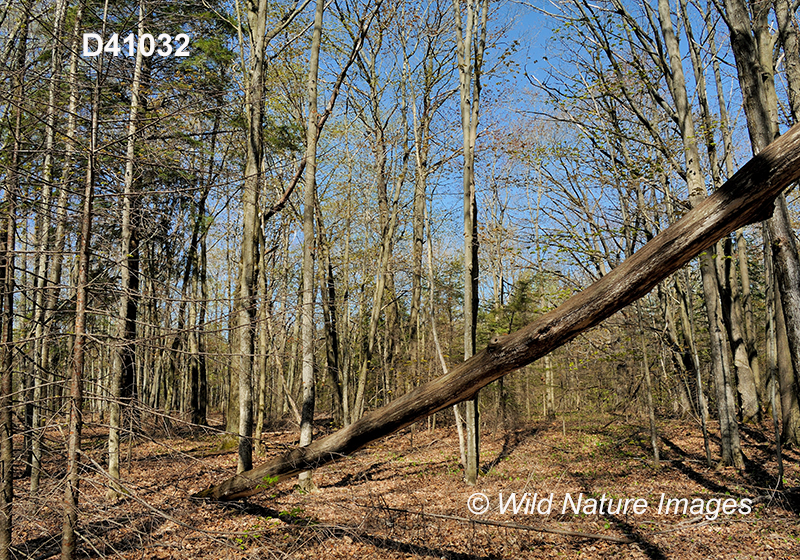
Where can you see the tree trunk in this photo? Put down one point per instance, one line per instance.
(651, 410)
(752, 44)
(44, 246)
(72, 486)
(433, 72)
(197, 261)
(263, 342)
(8, 235)
(123, 363)
(462, 448)
(746, 198)
(731, 452)
(245, 302)
(787, 28)
(470, 36)
(330, 320)
(734, 324)
(726, 279)
(309, 199)
(781, 359)
(687, 320)
(7, 250)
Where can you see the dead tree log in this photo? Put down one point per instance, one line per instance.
(748, 197)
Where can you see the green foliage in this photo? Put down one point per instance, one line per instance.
(283, 137)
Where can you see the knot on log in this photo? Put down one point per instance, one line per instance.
(495, 343)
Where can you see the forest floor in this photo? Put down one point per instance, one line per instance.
(404, 497)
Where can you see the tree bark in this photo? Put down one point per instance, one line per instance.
(7, 250)
(72, 486)
(752, 44)
(651, 411)
(729, 430)
(330, 320)
(123, 363)
(245, 302)
(726, 279)
(746, 198)
(44, 246)
(787, 35)
(780, 359)
(469, 73)
(8, 235)
(309, 200)
(263, 342)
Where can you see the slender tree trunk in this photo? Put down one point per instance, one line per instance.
(7, 285)
(263, 343)
(687, 320)
(651, 411)
(462, 447)
(8, 231)
(731, 452)
(201, 413)
(418, 236)
(72, 486)
(245, 304)
(469, 50)
(124, 355)
(312, 135)
(772, 306)
(781, 359)
(44, 246)
(329, 312)
(59, 241)
(680, 351)
(197, 264)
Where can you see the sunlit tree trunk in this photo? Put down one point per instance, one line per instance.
(8, 234)
(309, 198)
(245, 302)
(743, 305)
(44, 247)
(726, 273)
(8, 227)
(123, 364)
(470, 44)
(731, 451)
(752, 42)
(72, 485)
(779, 360)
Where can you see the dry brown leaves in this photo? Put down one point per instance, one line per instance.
(377, 504)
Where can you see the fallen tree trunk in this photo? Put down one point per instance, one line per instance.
(746, 198)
